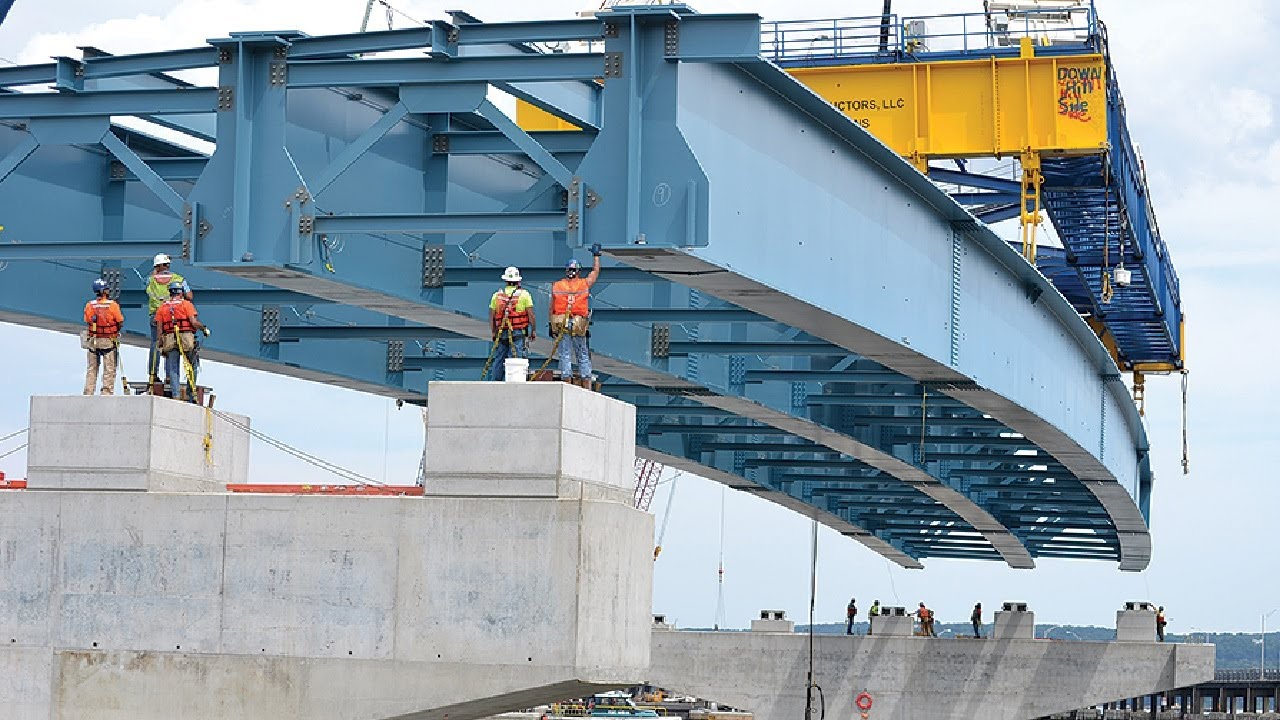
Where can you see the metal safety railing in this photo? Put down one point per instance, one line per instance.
(830, 38)
(1247, 675)
(1000, 29)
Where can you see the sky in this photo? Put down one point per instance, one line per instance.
(1202, 88)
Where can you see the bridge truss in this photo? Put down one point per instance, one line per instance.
(794, 310)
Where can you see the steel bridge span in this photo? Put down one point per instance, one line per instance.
(795, 310)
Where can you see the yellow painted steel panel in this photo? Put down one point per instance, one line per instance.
(532, 118)
(973, 108)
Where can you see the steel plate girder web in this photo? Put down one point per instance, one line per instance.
(886, 221)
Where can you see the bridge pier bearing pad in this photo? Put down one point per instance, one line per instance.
(146, 605)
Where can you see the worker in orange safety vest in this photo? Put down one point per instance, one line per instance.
(571, 318)
(925, 616)
(175, 323)
(102, 338)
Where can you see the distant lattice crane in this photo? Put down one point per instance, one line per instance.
(647, 474)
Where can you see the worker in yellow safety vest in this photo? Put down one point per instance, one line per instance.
(571, 318)
(512, 321)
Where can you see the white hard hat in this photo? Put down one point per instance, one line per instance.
(161, 259)
(512, 274)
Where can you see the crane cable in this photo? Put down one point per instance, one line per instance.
(1186, 459)
(14, 434)
(811, 688)
(666, 516)
(301, 455)
(719, 620)
(11, 435)
(1107, 290)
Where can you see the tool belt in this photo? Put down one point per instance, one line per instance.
(576, 325)
(89, 341)
(168, 343)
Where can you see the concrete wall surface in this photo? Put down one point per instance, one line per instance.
(548, 439)
(916, 678)
(132, 442)
(388, 604)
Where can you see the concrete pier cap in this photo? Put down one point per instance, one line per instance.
(522, 577)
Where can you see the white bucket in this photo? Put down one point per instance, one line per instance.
(517, 369)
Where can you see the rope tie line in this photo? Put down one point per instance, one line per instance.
(300, 454)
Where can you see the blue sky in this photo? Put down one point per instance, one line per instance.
(1202, 90)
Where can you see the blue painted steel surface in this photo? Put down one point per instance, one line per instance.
(798, 313)
(1099, 205)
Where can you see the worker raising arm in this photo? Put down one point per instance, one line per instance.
(570, 319)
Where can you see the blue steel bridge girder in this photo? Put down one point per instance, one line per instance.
(381, 281)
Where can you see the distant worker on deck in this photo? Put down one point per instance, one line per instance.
(874, 612)
(851, 612)
(175, 323)
(570, 319)
(512, 321)
(158, 293)
(925, 615)
(976, 619)
(1160, 623)
(104, 320)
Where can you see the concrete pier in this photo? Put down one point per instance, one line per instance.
(134, 442)
(516, 589)
(918, 678)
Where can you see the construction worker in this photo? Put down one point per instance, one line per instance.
(103, 316)
(851, 612)
(512, 320)
(976, 619)
(175, 324)
(157, 293)
(1160, 623)
(570, 319)
(874, 612)
(925, 615)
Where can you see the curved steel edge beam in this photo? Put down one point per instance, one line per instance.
(695, 272)
(713, 279)
(839, 124)
(862, 535)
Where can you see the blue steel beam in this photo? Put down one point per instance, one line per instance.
(244, 183)
(123, 249)
(439, 223)
(396, 72)
(108, 102)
